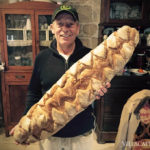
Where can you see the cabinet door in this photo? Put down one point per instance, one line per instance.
(13, 103)
(124, 11)
(19, 39)
(43, 32)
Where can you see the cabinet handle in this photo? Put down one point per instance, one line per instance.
(20, 76)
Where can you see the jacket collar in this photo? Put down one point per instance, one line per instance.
(78, 46)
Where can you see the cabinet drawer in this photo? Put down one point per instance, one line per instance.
(17, 76)
(111, 123)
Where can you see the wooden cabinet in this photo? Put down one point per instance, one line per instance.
(114, 14)
(25, 31)
(109, 108)
(120, 12)
(135, 13)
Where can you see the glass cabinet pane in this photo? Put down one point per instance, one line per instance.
(123, 10)
(45, 35)
(19, 40)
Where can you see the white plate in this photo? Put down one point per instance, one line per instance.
(135, 71)
(108, 31)
(147, 31)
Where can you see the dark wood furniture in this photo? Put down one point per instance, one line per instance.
(137, 15)
(109, 108)
(24, 28)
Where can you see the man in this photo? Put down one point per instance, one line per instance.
(49, 66)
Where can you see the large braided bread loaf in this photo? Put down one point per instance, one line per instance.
(76, 89)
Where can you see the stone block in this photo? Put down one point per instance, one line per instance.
(86, 42)
(90, 29)
(85, 14)
(94, 42)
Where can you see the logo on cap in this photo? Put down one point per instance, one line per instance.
(64, 7)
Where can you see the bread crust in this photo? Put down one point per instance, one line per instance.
(77, 88)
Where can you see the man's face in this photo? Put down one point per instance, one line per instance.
(65, 29)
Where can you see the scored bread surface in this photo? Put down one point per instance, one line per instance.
(78, 87)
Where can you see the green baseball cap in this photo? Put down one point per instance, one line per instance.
(67, 9)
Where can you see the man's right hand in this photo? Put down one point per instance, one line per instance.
(11, 133)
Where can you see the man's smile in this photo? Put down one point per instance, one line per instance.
(66, 35)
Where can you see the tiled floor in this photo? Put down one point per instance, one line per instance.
(7, 143)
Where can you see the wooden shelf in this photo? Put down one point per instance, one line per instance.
(19, 43)
(45, 43)
(18, 29)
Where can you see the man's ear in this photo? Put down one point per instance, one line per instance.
(52, 28)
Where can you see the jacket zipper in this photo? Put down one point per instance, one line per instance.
(66, 65)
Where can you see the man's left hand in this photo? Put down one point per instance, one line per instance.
(103, 90)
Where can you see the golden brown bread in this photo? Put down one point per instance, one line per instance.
(77, 88)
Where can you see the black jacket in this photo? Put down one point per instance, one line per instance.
(48, 68)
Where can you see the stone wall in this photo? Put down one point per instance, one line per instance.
(89, 15)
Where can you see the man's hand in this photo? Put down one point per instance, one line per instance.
(103, 90)
(11, 133)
